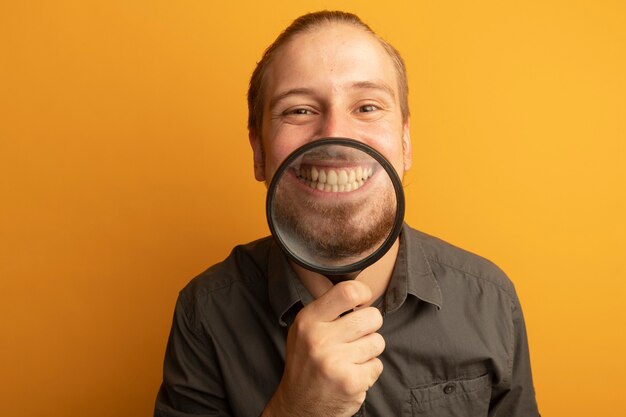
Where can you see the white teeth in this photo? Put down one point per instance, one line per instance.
(331, 178)
(322, 176)
(342, 178)
(334, 180)
(314, 174)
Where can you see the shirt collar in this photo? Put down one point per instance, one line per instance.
(412, 274)
(286, 292)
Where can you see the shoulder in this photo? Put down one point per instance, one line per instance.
(442, 255)
(245, 267)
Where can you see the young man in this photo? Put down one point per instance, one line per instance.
(435, 330)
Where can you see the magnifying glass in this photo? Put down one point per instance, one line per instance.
(335, 206)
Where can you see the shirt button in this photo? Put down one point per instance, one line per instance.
(449, 389)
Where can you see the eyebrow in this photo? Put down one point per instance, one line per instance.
(292, 92)
(370, 85)
(363, 85)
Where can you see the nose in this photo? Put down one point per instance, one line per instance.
(336, 123)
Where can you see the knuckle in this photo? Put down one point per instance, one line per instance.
(312, 344)
(367, 320)
(374, 347)
(301, 324)
(328, 368)
(377, 369)
(360, 398)
(378, 343)
(315, 350)
(357, 321)
(351, 385)
(308, 336)
(376, 317)
(349, 292)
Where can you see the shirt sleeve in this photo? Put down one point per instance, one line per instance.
(192, 381)
(516, 397)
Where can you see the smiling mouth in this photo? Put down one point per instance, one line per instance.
(334, 180)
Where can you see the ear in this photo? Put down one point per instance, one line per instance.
(258, 155)
(406, 144)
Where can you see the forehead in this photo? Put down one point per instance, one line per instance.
(330, 56)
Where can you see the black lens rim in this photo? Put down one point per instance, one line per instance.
(377, 254)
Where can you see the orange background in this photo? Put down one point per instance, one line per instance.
(125, 171)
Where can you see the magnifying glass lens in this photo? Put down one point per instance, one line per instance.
(334, 205)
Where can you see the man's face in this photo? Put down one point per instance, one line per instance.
(336, 81)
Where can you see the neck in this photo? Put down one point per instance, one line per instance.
(376, 276)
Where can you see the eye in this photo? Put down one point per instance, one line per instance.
(367, 108)
(298, 115)
(298, 111)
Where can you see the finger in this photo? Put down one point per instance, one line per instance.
(357, 324)
(369, 372)
(362, 350)
(342, 297)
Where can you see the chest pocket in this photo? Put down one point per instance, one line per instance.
(456, 398)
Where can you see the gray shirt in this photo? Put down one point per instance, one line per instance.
(453, 328)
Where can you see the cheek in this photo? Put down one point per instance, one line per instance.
(389, 143)
(281, 142)
(275, 153)
(275, 148)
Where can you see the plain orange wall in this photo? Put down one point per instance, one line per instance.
(125, 171)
